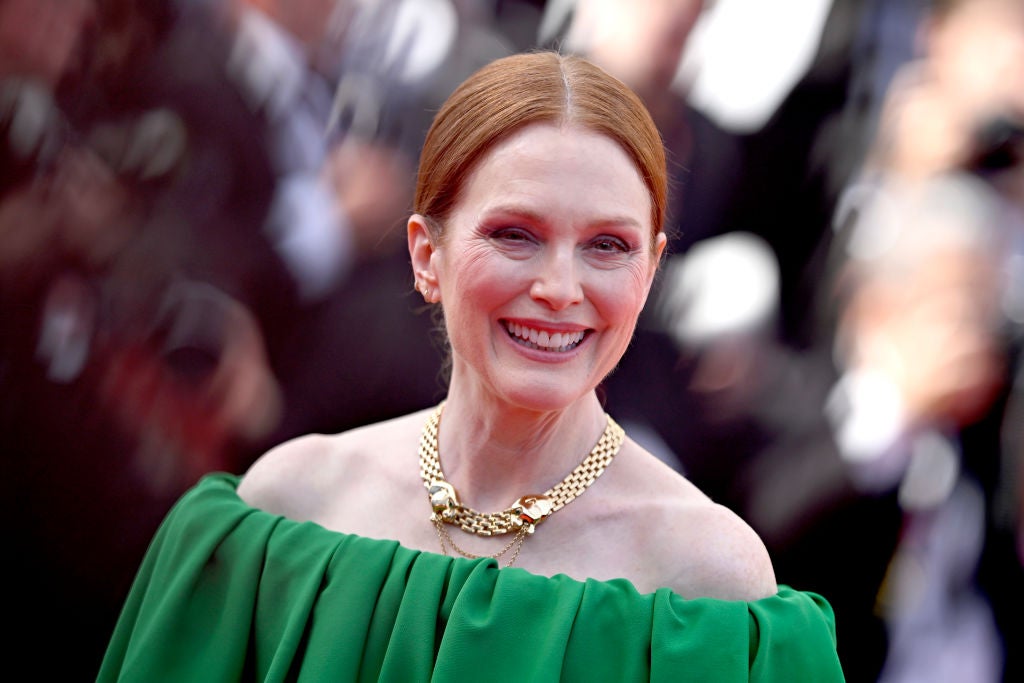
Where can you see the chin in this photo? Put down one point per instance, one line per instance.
(548, 395)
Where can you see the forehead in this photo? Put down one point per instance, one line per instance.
(557, 169)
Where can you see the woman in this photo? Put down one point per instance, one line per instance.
(538, 231)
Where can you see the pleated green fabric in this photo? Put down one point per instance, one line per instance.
(228, 592)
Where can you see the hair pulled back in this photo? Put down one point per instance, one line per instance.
(535, 87)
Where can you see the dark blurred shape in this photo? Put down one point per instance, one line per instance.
(919, 321)
(135, 182)
(191, 331)
(998, 145)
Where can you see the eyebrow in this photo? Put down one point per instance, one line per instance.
(535, 217)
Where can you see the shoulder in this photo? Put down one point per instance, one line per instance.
(716, 554)
(697, 547)
(301, 478)
(283, 475)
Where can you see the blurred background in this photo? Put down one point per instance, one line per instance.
(202, 254)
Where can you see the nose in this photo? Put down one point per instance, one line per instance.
(557, 282)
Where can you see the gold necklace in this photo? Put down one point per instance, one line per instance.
(525, 513)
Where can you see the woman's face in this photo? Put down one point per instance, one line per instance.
(544, 267)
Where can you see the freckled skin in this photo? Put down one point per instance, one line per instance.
(553, 227)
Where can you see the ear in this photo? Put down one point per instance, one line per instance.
(421, 252)
(659, 251)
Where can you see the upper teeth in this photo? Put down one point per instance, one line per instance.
(558, 341)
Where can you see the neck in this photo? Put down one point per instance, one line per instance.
(492, 456)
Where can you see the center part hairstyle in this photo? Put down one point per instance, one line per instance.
(522, 89)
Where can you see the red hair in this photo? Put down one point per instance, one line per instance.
(536, 87)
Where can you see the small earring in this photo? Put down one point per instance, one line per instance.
(424, 289)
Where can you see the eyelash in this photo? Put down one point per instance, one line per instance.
(612, 242)
(602, 243)
(517, 234)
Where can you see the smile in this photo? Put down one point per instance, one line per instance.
(558, 342)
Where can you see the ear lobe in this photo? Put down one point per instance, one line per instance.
(421, 251)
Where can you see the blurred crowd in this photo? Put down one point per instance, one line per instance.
(202, 254)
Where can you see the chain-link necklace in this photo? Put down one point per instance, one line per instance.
(525, 513)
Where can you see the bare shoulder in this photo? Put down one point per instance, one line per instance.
(718, 555)
(301, 478)
(282, 480)
(697, 547)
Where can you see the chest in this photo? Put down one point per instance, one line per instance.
(596, 536)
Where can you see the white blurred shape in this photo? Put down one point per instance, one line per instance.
(931, 474)
(953, 210)
(867, 415)
(723, 285)
(309, 234)
(745, 56)
(423, 35)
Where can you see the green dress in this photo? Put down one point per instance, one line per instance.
(229, 592)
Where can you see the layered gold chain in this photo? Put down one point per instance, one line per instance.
(526, 512)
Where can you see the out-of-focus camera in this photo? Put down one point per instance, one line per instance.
(190, 330)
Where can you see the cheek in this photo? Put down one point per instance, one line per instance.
(620, 296)
(479, 279)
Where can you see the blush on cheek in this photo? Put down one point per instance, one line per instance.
(487, 280)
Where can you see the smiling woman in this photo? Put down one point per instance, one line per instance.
(537, 232)
(530, 255)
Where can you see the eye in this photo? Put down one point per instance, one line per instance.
(512, 235)
(607, 243)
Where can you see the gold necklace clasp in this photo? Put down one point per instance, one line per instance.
(443, 499)
(531, 510)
